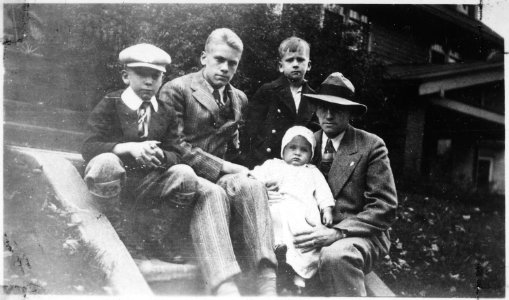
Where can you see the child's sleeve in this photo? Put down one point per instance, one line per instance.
(261, 172)
(323, 194)
(104, 130)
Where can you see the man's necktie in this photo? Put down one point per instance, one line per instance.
(143, 113)
(327, 158)
(217, 97)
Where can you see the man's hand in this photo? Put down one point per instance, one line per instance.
(231, 168)
(147, 153)
(272, 185)
(317, 237)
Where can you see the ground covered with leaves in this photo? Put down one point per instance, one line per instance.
(43, 253)
(445, 247)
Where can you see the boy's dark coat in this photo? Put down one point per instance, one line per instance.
(270, 113)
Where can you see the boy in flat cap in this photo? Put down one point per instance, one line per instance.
(132, 145)
(358, 172)
(280, 104)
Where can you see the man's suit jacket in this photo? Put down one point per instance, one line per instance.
(205, 137)
(270, 113)
(363, 186)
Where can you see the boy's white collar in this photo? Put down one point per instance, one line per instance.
(134, 102)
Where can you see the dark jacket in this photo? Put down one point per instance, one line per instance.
(111, 122)
(363, 186)
(270, 113)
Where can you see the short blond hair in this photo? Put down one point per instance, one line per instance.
(293, 44)
(226, 36)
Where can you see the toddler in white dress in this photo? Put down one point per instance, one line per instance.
(302, 196)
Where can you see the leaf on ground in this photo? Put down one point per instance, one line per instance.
(71, 245)
(466, 217)
(459, 228)
(79, 288)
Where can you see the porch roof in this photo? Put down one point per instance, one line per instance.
(433, 78)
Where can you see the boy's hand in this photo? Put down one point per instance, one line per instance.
(327, 216)
(146, 153)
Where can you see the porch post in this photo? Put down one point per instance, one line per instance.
(414, 137)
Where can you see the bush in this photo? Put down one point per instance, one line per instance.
(442, 247)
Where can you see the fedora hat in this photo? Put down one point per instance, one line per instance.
(337, 89)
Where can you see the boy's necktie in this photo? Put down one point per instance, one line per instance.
(143, 113)
(327, 158)
(217, 97)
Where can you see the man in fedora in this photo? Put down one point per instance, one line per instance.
(357, 168)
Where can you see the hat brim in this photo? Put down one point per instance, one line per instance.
(146, 65)
(358, 108)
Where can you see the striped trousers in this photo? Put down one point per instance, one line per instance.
(231, 228)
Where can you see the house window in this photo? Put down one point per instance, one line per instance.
(356, 32)
(462, 9)
(443, 147)
(484, 172)
(352, 26)
(438, 55)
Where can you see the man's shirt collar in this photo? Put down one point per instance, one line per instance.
(134, 102)
(335, 141)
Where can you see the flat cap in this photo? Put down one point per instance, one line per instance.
(145, 55)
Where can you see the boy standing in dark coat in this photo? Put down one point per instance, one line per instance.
(280, 104)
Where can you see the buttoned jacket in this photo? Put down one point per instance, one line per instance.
(362, 184)
(270, 113)
(111, 122)
(206, 138)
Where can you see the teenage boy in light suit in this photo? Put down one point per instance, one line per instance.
(209, 114)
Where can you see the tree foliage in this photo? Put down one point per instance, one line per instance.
(90, 36)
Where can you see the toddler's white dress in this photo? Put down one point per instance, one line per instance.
(303, 192)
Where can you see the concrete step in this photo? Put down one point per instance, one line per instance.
(163, 278)
(34, 136)
(45, 116)
(166, 278)
(40, 126)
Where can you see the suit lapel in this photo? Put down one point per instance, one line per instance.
(305, 112)
(128, 118)
(236, 103)
(285, 94)
(203, 95)
(345, 161)
(317, 157)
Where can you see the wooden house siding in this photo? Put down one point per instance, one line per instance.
(397, 47)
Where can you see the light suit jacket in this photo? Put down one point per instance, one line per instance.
(205, 138)
(363, 186)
